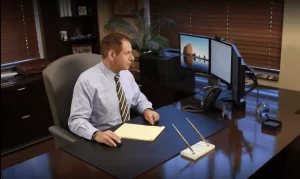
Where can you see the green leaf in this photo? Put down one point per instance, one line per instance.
(159, 22)
(140, 24)
(151, 45)
(139, 19)
(162, 41)
(119, 23)
(135, 45)
(155, 44)
(142, 37)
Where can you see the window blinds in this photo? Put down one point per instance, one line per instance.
(255, 26)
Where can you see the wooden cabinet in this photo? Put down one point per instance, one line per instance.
(25, 113)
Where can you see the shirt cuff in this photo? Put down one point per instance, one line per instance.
(142, 108)
(90, 132)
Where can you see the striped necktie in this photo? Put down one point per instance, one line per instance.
(122, 100)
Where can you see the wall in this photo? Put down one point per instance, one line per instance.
(289, 77)
(290, 54)
(104, 14)
(39, 28)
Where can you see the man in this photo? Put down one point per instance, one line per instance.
(104, 93)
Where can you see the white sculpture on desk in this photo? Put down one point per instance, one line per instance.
(197, 150)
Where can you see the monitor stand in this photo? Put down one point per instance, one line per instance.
(222, 99)
(225, 100)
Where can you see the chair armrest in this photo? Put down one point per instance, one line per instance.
(62, 136)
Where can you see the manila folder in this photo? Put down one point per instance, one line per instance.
(139, 132)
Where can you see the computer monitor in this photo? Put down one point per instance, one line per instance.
(237, 84)
(194, 52)
(223, 61)
(237, 76)
(220, 65)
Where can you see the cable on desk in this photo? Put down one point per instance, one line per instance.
(203, 90)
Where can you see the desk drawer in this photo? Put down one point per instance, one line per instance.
(11, 133)
(22, 100)
(17, 132)
(36, 126)
(25, 114)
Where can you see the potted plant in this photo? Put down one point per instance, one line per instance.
(143, 38)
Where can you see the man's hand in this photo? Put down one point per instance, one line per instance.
(107, 137)
(151, 116)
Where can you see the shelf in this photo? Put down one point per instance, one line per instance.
(78, 16)
(89, 39)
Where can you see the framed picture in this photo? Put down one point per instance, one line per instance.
(125, 7)
(82, 48)
(82, 10)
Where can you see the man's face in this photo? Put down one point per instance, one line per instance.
(125, 57)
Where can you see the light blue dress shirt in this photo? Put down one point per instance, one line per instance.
(95, 103)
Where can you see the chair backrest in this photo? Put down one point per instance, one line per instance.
(60, 78)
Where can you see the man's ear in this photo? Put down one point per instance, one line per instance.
(111, 54)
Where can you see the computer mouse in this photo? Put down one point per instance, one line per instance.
(118, 144)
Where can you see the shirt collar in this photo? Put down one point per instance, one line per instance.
(108, 73)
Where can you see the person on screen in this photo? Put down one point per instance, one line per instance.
(104, 93)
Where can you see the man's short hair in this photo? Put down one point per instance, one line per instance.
(112, 41)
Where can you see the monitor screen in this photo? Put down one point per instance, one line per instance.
(194, 52)
(221, 60)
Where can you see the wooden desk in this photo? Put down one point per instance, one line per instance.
(241, 149)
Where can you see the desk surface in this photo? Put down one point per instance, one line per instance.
(240, 150)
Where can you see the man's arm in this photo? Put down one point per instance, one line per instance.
(81, 109)
(140, 102)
